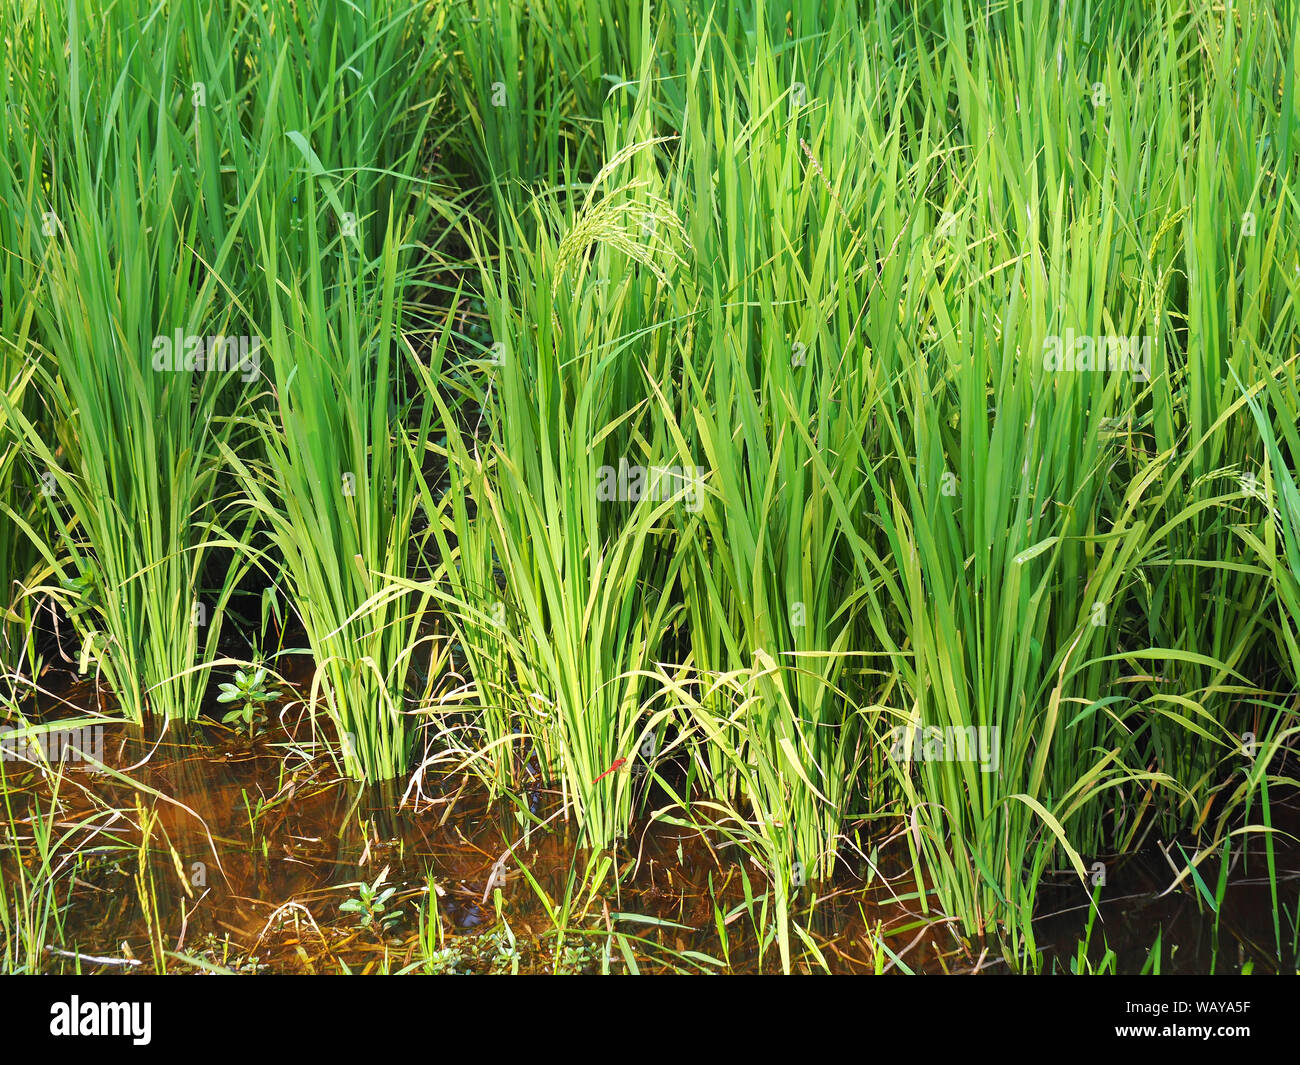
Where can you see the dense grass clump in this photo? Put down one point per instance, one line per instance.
(805, 419)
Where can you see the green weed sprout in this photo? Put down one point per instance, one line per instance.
(250, 691)
(370, 904)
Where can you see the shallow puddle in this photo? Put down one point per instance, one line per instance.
(205, 849)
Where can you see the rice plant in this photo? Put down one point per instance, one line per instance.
(129, 320)
(337, 489)
(826, 427)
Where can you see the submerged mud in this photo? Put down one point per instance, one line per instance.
(198, 848)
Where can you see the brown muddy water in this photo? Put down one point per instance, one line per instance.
(203, 849)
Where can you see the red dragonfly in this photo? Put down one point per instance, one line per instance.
(619, 763)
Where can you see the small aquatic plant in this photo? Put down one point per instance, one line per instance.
(249, 690)
(371, 904)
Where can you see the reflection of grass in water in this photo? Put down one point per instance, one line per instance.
(50, 849)
(541, 918)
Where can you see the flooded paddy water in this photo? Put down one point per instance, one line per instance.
(197, 848)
